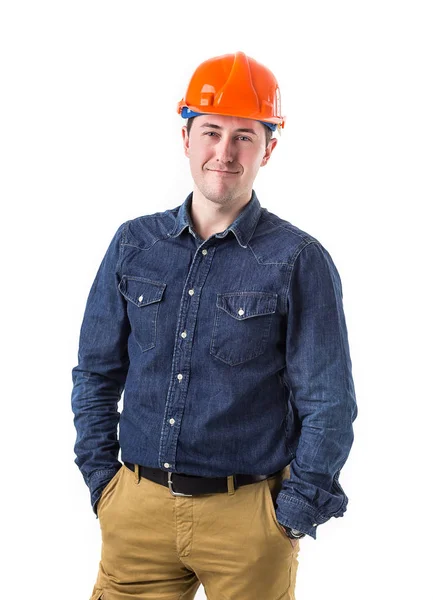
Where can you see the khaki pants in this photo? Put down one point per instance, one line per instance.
(156, 546)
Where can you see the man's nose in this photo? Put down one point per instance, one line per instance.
(225, 151)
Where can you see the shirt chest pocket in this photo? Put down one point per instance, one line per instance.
(143, 299)
(242, 325)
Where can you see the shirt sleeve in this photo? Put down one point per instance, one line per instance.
(318, 374)
(100, 375)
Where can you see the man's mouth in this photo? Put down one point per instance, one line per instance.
(223, 171)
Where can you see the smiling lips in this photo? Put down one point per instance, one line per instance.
(223, 172)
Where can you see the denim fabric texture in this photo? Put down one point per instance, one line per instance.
(232, 354)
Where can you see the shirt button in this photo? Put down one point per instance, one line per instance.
(166, 465)
(140, 299)
(180, 376)
(204, 252)
(241, 311)
(172, 421)
(190, 292)
(183, 334)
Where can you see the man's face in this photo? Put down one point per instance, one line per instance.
(225, 154)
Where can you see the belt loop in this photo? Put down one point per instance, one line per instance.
(230, 485)
(137, 473)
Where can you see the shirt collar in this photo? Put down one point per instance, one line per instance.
(243, 226)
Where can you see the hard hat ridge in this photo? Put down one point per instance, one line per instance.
(239, 79)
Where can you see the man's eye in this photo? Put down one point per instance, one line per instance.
(244, 138)
(210, 133)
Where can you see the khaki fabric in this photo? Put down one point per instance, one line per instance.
(156, 546)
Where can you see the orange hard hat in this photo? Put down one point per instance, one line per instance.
(234, 85)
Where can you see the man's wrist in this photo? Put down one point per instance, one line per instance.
(294, 534)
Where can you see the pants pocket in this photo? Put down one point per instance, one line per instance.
(272, 489)
(109, 489)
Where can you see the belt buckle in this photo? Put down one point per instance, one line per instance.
(170, 487)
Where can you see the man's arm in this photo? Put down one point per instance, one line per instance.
(99, 377)
(318, 374)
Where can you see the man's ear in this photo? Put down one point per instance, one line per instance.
(268, 151)
(185, 138)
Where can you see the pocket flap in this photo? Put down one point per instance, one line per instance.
(141, 291)
(243, 305)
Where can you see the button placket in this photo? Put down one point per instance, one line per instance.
(182, 358)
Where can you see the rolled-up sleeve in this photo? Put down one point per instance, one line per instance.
(100, 375)
(318, 374)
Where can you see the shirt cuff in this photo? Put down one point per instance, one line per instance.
(97, 482)
(292, 512)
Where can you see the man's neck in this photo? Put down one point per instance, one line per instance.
(210, 217)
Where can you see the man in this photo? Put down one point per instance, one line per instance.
(224, 326)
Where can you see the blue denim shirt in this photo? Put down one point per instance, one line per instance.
(232, 353)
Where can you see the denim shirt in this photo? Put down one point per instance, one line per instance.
(232, 353)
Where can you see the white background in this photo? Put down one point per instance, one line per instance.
(90, 137)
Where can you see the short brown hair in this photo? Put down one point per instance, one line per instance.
(268, 131)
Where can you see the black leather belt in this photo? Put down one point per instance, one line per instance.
(180, 484)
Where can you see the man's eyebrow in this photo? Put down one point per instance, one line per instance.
(240, 130)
